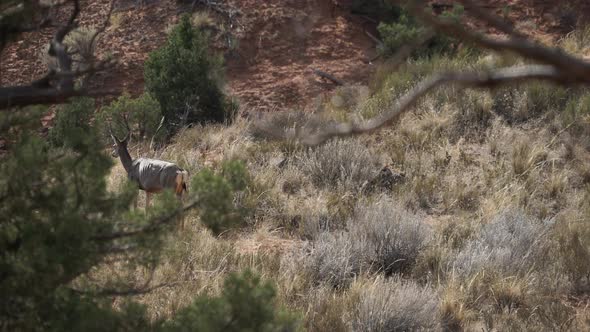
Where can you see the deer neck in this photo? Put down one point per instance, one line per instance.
(126, 159)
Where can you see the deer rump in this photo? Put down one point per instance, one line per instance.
(156, 175)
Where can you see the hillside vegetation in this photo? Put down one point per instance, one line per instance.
(485, 227)
(470, 213)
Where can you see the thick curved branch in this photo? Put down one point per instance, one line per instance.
(57, 86)
(476, 10)
(462, 80)
(30, 95)
(104, 24)
(154, 225)
(578, 69)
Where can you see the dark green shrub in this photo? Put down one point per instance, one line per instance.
(58, 222)
(184, 78)
(54, 205)
(406, 30)
(144, 115)
(72, 123)
(246, 304)
(215, 193)
(381, 10)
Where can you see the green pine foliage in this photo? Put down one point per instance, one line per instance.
(215, 193)
(72, 122)
(58, 222)
(406, 30)
(184, 77)
(246, 304)
(144, 116)
(54, 207)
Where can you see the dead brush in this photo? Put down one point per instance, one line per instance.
(454, 313)
(525, 156)
(334, 260)
(556, 183)
(390, 238)
(395, 305)
(461, 195)
(81, 43)
(329, 311)
(512, 244)
(349, 97)
(510, 294)
(339, 164)
(472, 117)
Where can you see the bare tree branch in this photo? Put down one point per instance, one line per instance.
(57, 85)
(105, 23)
(153, 226)
(577, 68)
(462, 80)
(30, 95)
(327, 76)
(556, 66)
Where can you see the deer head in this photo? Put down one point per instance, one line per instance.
(120, 145)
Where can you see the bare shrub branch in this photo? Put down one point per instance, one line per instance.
(554, 66)
(460, 79)
(58, 84)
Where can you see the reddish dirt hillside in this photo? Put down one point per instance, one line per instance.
(284, 40)
(278, 43)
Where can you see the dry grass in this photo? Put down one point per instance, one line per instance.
(340, 164)
(493, 211)
(395, 305)
(389, 237)
(512, 244)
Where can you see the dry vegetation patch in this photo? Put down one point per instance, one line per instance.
(488, 229)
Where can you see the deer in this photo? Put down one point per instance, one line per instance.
(151, 175)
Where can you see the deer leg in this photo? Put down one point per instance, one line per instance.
(181, 216)
(135, 202)
(148, 196)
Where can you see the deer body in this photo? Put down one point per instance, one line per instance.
(154, 175)
(151, 175)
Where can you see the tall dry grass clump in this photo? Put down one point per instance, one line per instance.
(382, 238)
(340, 164)
(512, 244)
(395, 305)
(389, 236)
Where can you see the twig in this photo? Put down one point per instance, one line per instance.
(105, 23)
(152, 227)
(155, 133)
(460, 79)
(57, 86)
(328, 76)
(577, 69)
(375, 39)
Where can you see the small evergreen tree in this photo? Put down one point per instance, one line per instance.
(58, 221)
(215, 193)
(405, 30)
(71, 122)
(184, 78)
(246, 304)
(144, 115)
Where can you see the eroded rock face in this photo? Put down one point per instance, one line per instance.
(386, 180)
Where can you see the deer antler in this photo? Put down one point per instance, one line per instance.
(126, 123)
(127, 135)
(110, 128)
